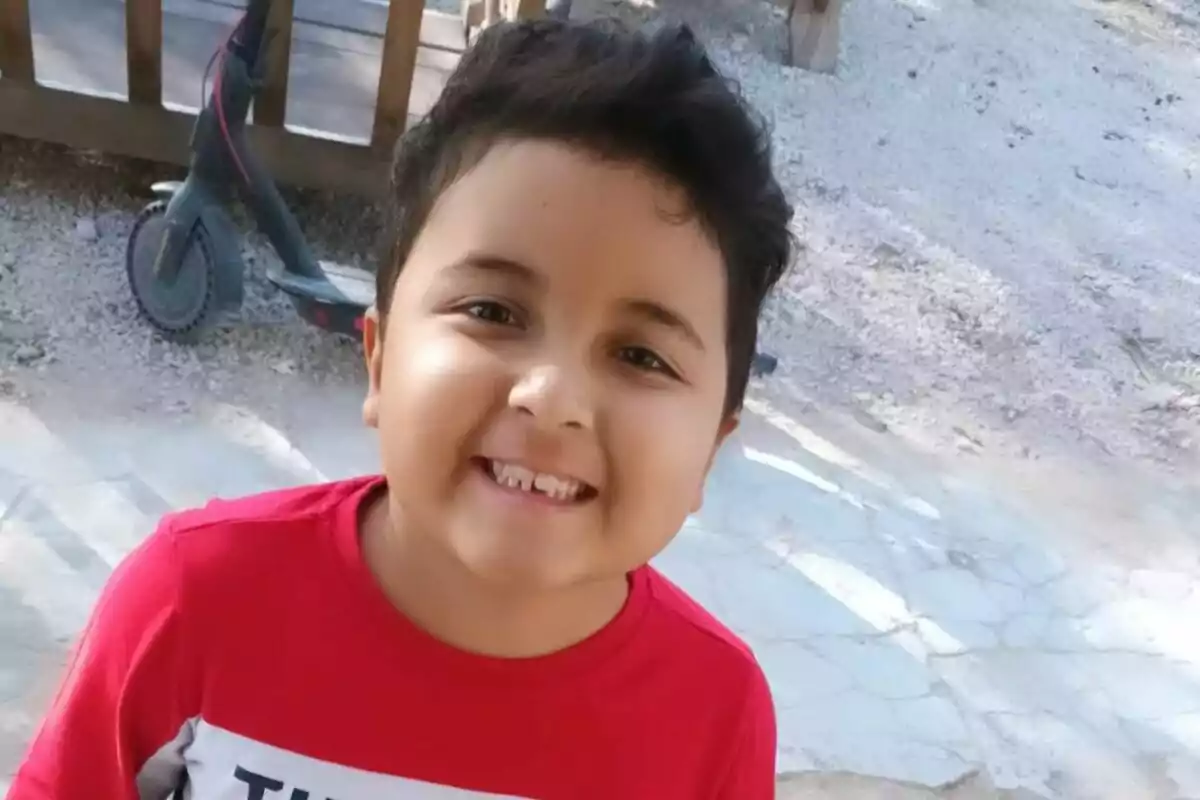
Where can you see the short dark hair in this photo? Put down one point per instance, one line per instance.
(655, 99)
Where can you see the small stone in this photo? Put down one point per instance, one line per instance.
(9, 262)
(1183, 402)
(14, 331)
(912, 73)
(868, 420)
(285, 367)
(962, 560)
(887, 255)
(763, 364)
(966, 442)
(28, 353)
(86, 231)
(1160, 397)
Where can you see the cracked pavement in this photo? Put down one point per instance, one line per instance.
(918, 627)
(923, 637)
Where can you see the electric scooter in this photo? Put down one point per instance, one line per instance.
(184, 258)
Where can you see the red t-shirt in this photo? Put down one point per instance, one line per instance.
(248, 643)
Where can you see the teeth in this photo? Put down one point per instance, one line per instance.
(514, 476)
(558, 488)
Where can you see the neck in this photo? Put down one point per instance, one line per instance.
(439, 594)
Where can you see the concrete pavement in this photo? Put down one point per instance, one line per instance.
(915, 625)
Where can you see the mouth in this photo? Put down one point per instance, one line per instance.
(547, 487)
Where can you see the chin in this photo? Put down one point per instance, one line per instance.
(526, 575)
(523, 570)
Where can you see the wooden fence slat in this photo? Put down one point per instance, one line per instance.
(813, 33)
(396, 73)
(143, 51)
(271, 106)
(16, 41)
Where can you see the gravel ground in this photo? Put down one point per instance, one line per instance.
(69, 326)
(1001, 218)
(997, 201)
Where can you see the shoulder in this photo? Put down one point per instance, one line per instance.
(688, 623)
(269, 510)
(720, 685)
(254, 527)
(702, 645)
(207, 541)
(205, 577)
(226, 559)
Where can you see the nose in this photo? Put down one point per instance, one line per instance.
(553, 397)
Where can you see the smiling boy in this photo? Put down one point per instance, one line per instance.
(584, 230)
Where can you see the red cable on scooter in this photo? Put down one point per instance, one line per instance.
(221, 55)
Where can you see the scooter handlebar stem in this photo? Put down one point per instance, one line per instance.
(252, 31)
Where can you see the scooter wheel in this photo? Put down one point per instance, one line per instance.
(179, 309)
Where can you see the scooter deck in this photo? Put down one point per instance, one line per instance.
(340, 285)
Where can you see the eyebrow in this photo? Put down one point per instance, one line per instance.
(661, 315)
(481, 262)
(646, 309)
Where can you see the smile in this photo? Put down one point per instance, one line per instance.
(557, 488)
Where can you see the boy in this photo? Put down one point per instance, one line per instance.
(585, 227)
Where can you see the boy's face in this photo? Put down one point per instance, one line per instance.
(550, 394)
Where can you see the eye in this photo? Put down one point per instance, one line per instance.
(645, 360)
(490, 312)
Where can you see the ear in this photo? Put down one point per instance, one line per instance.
(726, 429)
(373, 353)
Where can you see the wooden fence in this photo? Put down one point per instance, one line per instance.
(139, 124)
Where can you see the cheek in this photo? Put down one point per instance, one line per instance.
(436, 388)
(664, 453)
